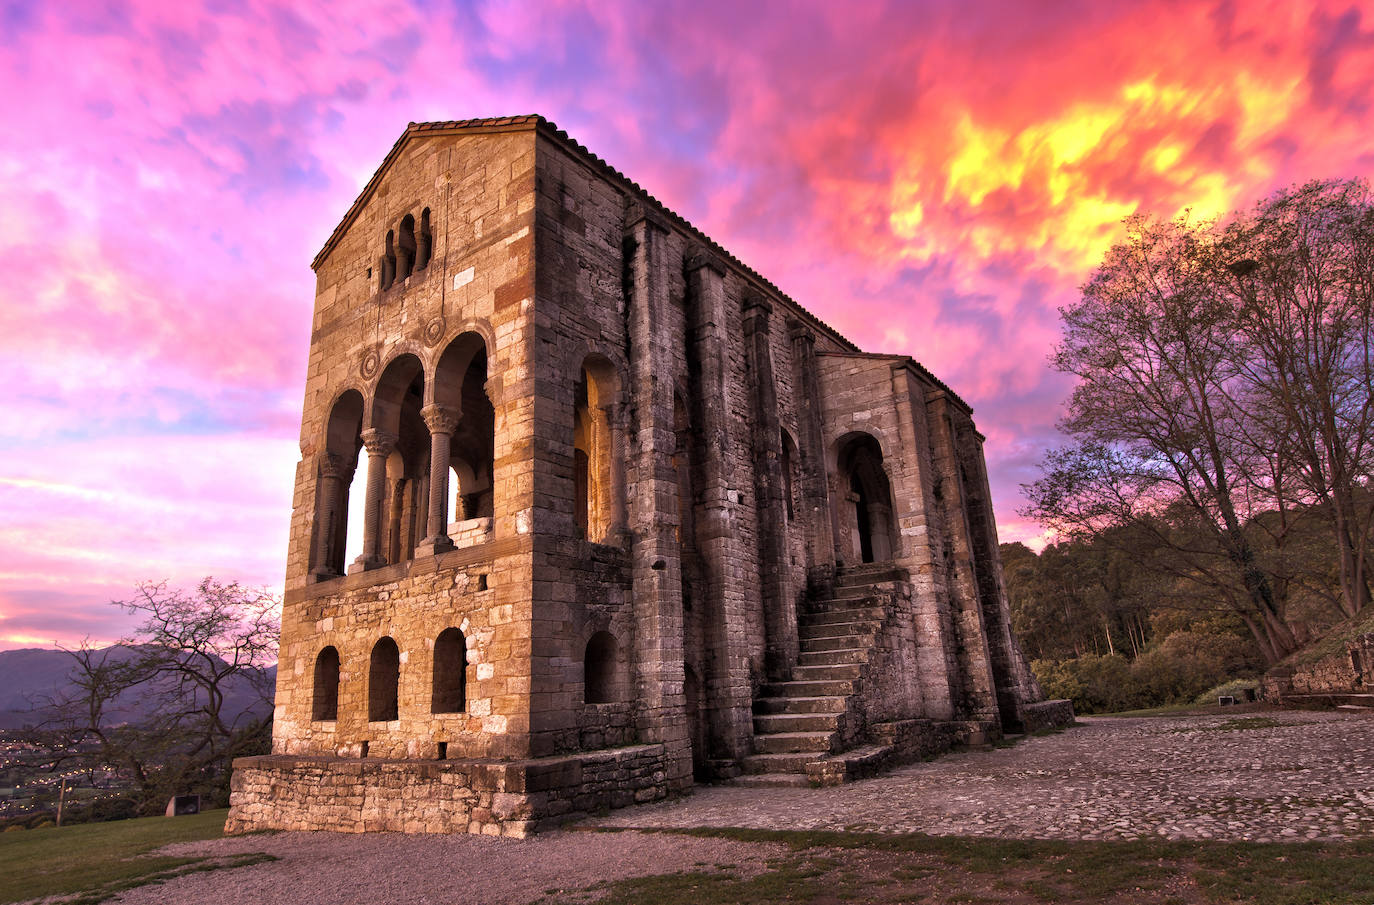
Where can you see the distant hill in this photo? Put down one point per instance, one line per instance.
(32, 675)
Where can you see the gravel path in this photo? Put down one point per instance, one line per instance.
(1238, 777)
(1195, 777)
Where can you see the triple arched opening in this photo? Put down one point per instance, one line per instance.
(400, 463)
(448, 682)
(407, 249)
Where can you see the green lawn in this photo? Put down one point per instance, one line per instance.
(98, 860)
(834, 868)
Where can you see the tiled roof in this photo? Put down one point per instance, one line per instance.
(522, 123)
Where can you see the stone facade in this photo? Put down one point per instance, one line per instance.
(702, 533)
(1343, 678)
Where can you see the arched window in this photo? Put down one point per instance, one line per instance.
(425, 245)
(325, 705)
(601, 670)
(449, 693)
(405, 248)
(400, 506)
(593, 490)
(383, 681)
(460, 385)
(338, 466)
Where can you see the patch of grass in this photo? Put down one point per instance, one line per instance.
(98, 860)
(826, 867)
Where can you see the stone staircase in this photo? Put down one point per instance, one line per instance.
(814, 717)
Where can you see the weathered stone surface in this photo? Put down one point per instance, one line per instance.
(683, 500)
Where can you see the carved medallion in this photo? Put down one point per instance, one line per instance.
(434, 331)
(370, 363)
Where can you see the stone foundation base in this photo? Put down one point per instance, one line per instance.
(1046, 715)
(495, 798)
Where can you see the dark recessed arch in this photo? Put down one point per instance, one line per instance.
(325, 703)
(383, 681)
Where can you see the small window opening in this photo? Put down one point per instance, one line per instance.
(405, 248)
(383, 681)
(362, 750)
(599, 667)
(482, 582)
(326, 701)
(369, 273)
(443, 751)
(449, 693)
(425, 245)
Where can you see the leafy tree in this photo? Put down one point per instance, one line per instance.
(1302, 268)
(1225, 400)
(170, 706)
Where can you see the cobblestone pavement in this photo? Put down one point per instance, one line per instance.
(1231, 777)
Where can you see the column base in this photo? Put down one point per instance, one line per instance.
(433, 546)
(366, 564)
(324, 575)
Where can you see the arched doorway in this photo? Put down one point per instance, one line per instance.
(868, 519)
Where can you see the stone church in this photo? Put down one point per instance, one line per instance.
(633, 518)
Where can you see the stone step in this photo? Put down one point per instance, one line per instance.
(853, 641)
(808, 688)
(816, 743)
(819, 704)
(796, 762)
(869, 573)
(849, 614)
(858, 592)
(773, 780)
(774, 723)
(817, 673)
(832, 657)
(859, 631)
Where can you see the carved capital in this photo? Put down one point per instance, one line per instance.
(441, 419)
(333, 465)
(379, 442)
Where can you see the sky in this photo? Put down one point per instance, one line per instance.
(931, 178)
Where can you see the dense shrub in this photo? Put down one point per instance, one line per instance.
(1174, 671)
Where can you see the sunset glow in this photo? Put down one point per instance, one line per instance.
(931, 178)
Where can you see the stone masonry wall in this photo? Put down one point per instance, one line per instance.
(442, 796)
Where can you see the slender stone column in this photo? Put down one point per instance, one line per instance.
(335, 473)
(379, 444)
(612, 418)
(442, 421)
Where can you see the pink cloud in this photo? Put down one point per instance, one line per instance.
(932, 179)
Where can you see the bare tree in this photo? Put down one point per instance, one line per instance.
(1158, 429)
(171, 705)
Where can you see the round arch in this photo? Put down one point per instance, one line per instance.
(867, 514)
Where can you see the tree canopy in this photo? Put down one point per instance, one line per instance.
(1225, 406)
